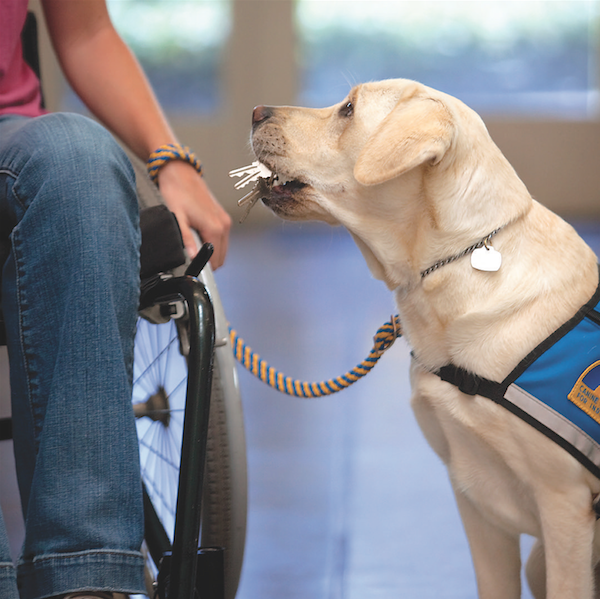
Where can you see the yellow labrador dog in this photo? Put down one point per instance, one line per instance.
(414, 176)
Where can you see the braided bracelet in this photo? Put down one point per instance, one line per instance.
(170, 152)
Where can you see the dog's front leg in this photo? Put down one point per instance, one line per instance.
(568, 525)
(495, 553)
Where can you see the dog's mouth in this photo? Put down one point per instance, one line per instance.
(290, 197)
(284, 188)
(286, 197)
(278, 192)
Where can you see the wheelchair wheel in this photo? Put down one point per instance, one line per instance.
(159, 395)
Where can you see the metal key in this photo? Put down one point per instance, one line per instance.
(260, 190)
(252, 172)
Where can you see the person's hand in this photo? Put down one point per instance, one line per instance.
(187, 195)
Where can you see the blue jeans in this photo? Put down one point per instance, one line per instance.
(69, 253)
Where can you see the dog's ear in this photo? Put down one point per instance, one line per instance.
(415, 132)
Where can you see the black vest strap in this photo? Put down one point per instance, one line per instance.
(470, 383)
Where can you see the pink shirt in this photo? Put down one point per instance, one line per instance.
(19, 87)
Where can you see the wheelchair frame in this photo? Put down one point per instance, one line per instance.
(180, 582)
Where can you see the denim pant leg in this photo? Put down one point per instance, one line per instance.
(70, 287)
(8, 580)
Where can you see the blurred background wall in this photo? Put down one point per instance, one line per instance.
(529, 68)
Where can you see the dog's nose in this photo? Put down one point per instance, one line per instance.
(260, 114)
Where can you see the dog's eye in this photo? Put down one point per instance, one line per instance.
(347, 110)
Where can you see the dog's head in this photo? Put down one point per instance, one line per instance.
(391, 162)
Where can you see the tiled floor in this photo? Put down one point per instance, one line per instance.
(347, 501)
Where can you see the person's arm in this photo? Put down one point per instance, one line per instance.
(107, 77)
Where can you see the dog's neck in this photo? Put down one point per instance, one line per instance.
(485, 242)
(471, 319)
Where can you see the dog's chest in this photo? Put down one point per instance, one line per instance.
(482, 445)
(555, 389)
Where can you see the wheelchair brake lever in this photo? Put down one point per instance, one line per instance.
(200, 260)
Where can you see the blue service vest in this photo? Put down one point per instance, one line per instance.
(555, 388)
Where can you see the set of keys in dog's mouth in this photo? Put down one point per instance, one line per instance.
(485, 258)
(263, 182)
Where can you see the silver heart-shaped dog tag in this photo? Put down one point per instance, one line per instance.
(486, 258)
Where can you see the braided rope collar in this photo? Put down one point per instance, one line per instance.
(483, 242)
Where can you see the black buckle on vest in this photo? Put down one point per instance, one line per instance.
(466, 381)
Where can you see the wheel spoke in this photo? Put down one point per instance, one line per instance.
(159, 388)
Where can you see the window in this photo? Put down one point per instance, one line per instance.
(535, 58)
(180, 44)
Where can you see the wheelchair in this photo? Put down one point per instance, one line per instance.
(190, 428)
(188, 415)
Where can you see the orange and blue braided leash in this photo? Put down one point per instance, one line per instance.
(383, 340)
